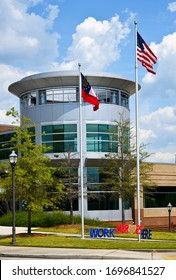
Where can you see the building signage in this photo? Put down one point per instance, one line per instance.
(122, 229)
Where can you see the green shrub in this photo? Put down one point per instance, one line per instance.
(46, 219)
(20, 219)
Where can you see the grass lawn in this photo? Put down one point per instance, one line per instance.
(76, 229)
(71, 242)
(160, 240)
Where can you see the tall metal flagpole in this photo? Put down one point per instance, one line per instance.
(137, 133)
(81, 152)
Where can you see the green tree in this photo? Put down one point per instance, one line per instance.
(35, 182)
(120, 167)
(68, 173)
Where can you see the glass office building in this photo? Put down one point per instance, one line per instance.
(51, 101)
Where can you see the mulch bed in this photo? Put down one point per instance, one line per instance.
(32, 235)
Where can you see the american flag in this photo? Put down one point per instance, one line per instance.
(145, 54)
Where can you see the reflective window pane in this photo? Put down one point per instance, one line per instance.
(104, 140)
(62, 138)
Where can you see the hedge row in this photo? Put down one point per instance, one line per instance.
(44, 219)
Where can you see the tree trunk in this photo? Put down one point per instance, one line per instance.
(123, 211)
(71, 212)
(29, 221)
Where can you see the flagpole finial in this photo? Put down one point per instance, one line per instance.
(135, 22)
(79, 64)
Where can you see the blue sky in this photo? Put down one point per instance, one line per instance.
(46, 35)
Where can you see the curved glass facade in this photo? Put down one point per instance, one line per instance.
(51, 101)
(71, 94)
(63, 138)
(101, 138)
(60, 138)
(59, 95)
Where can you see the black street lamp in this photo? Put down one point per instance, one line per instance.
(169, 208)
(13, 161)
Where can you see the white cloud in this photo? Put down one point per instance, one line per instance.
(161, 125)
(158, 129)
(5, 119)
(165, 68)
(162, 157)
(35, 2)
(96, 44)
(146, 135)
(172, 7)
(70, 65)
(53, 11)
(27, 39)
(31, 43)
(160, 116)
(158, 107)
(8, 75)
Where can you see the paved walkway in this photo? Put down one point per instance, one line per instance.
(61, 253)
(4, 231)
